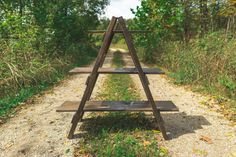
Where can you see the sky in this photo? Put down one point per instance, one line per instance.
(121, 8)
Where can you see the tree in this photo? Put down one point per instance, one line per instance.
(203, 17)
(162, 17)
(61, 24)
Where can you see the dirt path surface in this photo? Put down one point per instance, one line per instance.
(38, 130)
(195, 130)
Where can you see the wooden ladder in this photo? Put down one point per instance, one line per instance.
(79, 107)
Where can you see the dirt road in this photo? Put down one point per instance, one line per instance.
(195, 130)
(37, 130)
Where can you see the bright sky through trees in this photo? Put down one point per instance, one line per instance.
(121, 8)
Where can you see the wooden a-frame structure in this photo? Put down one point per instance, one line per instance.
(85, 105)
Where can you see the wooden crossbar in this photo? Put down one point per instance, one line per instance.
(72, 106)
(117, 71)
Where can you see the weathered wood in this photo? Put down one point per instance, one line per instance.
(93, 77)
(72, 106)
(106, 48)
(119, 31)
(144, 80)
(117, 70)
(150, 105)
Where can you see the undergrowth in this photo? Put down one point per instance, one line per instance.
(119, 133)
(33, 72)
(39, 43)
(208, 63)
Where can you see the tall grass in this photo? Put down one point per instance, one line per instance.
(26, 70)
(209, 63)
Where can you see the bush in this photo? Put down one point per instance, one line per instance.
(208, 61)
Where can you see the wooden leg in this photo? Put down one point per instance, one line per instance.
(81, 117)
(161, 126)
(74, 122)
(72, 130)
(93, 77)
(143, 78)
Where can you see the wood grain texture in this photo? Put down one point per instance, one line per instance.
(72, 106)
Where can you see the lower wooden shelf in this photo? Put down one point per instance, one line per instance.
(72, 106)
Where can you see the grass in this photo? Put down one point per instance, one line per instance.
(208, 65)
(41, 81)
(9, 102)
(120, 44)
(118, 86)
(119, 133)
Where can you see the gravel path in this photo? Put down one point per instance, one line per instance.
(195, 130)
(38, 130)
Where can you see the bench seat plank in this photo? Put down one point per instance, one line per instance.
(72, 106)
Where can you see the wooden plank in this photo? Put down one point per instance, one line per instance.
(72, 106)
(93, 76)
(144, 80)
(119, 31)
(118, 70)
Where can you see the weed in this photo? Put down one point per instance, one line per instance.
(37, 77)
(207, 63)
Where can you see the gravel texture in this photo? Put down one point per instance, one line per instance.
(196, 130)
(38, 130)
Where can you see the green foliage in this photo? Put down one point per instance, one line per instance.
(228, 83)
(40, 40)
(179, 21)
(162, 18)
(208, 62)
(210, 59)
(9, 102)
(195, 40)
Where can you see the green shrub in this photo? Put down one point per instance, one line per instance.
(211, 60)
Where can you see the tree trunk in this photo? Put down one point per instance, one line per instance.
(203, 17)
(186, 21)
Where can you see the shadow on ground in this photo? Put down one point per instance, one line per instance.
(177, 124)
(180, 123)
(115, 122)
